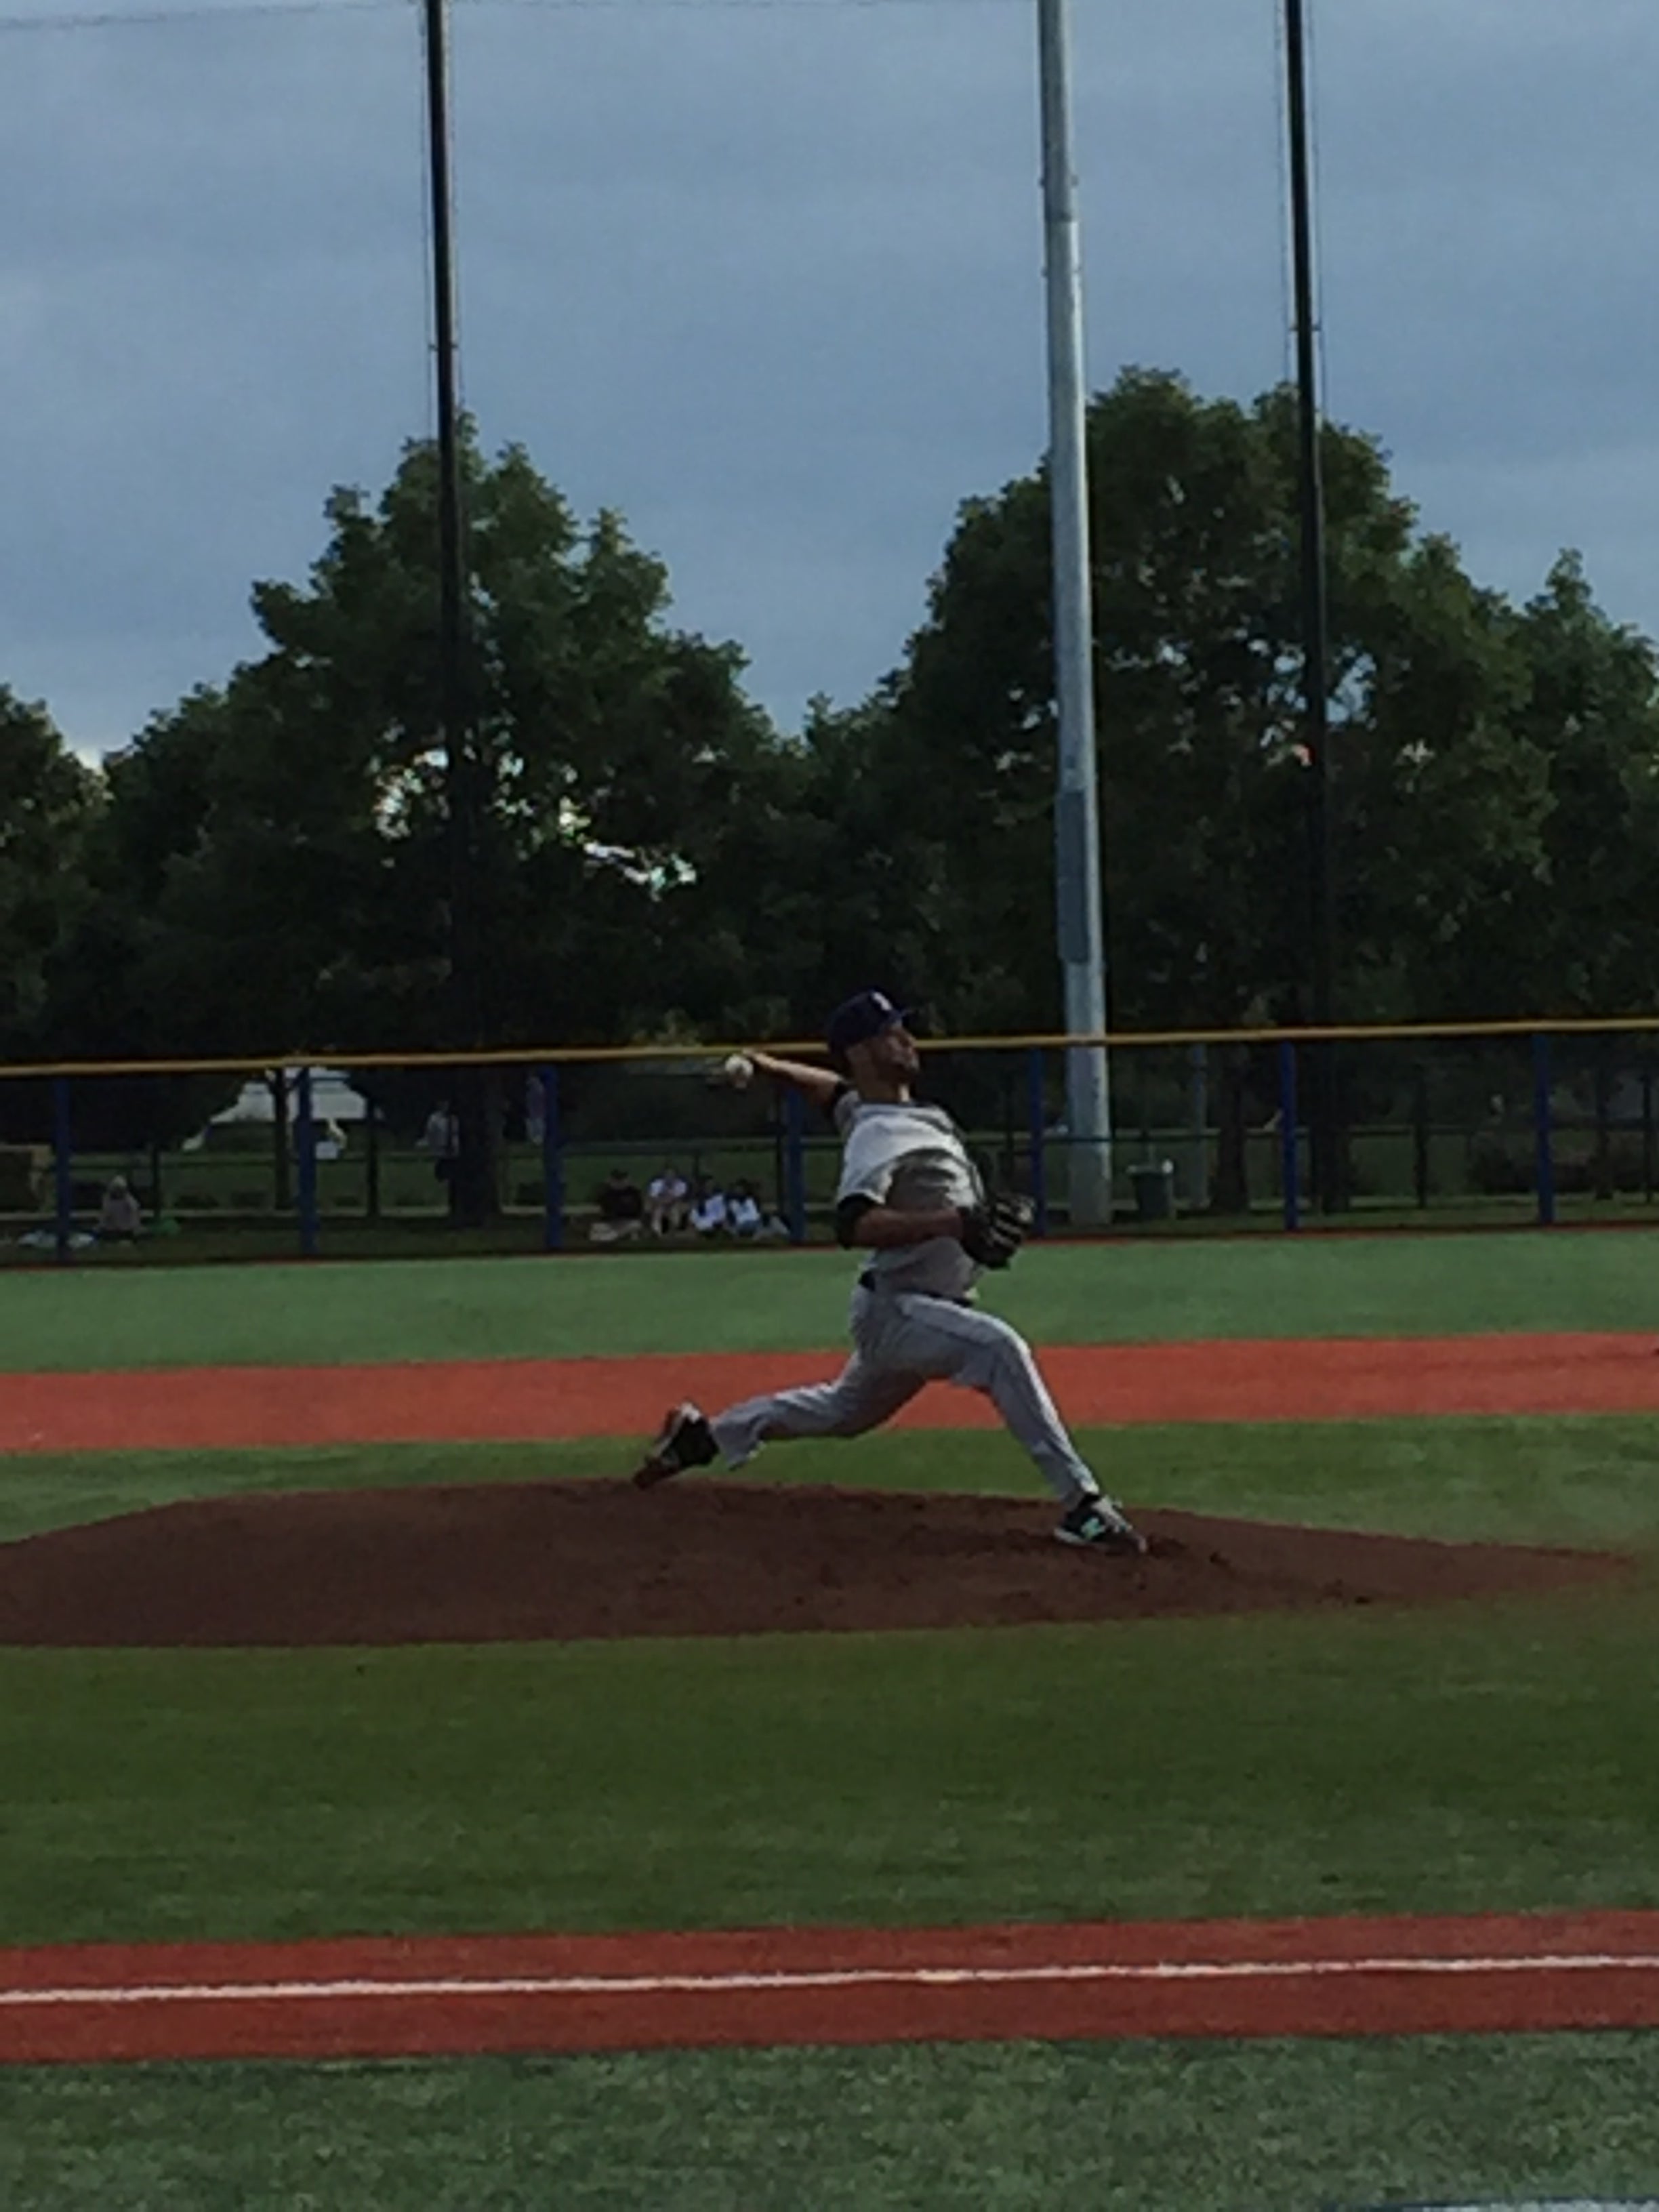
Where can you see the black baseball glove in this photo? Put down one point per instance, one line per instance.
(992, 1232)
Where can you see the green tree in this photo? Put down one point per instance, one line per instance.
(285, 851)
(1591, 710)
(1203, 776)
(1444, 801)
(1439, 796)
(48, 802)
(116, 986)
(816, 883)
(609, 748)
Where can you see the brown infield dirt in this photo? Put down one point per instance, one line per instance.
(493, 1562)
(478, 1400)
(500, 1563)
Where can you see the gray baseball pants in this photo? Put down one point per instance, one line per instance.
(901, 1340)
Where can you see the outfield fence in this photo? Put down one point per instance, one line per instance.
(1496, 1124)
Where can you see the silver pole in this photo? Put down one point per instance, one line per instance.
(1076, 813)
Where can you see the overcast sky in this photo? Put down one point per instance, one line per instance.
(766, 278)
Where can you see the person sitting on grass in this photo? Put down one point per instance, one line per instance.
(621, 1210)
(710, 1216)
(668, 1199)
(120, 1217)
(747, 1219)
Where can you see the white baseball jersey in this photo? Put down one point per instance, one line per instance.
(912, 1159)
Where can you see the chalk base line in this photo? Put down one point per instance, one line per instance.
(372, 1998)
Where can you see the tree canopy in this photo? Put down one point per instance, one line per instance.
(1454, 773)
(49, 804)
(276, 863)
(270, 865)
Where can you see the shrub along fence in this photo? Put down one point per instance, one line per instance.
(1504, 1123)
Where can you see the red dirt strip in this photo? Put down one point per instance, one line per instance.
(473, 1401)
(453, 1997)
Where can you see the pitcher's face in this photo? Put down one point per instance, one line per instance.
(893, 1055)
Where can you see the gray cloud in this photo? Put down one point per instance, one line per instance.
(768, 280)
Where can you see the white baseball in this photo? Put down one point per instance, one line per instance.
(738, 1070)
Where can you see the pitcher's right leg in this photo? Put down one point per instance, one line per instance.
(860, 1398)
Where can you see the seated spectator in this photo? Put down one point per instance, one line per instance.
(535, 1108)
(773, 1228)
(120, 1217)
(747, 1219)
(709, 1215)
(621, 1209)
(668, 1201)
(442, 1138)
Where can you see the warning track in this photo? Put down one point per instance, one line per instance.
(367, 1998)
(499, 1400)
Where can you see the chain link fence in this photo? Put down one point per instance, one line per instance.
(650, 1149)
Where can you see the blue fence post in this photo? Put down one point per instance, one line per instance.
(1035, 1104)
(552, 1163)
(795, 1166)
(1289, 1150)
(305, 1133)
(63, 1160)
(1543, 1131)
(1198, 1091)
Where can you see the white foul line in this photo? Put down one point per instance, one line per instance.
(785, 1980)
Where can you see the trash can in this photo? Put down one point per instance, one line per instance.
(1153, 1183)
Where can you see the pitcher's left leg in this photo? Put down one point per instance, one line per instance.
(957, 1344)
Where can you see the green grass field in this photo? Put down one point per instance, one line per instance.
(1484, 1759)
(619, 1302)
(1180, 2127)
(1494, 1756)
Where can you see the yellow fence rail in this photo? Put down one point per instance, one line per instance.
(683, 1048)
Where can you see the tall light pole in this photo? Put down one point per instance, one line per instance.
(1080, 918)
(1315, 652)
(452, 703)
(474, 1168)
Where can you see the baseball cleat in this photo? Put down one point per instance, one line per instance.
(684, 1440)
(1095, 1524)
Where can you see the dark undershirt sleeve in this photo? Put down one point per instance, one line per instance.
(848, 1214)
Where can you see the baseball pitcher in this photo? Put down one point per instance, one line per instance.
(911, 1201)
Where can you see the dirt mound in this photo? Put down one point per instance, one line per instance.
(524, 1561)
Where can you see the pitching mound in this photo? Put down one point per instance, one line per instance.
(524, 1561)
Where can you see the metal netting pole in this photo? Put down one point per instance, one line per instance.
(1543, 1131)
(305, 1135)
(794, 1162)
(1289, 1166)
(552, 1164)
(1035, 1106)
(62, 1158)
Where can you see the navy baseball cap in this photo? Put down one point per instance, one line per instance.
(860, 1018)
